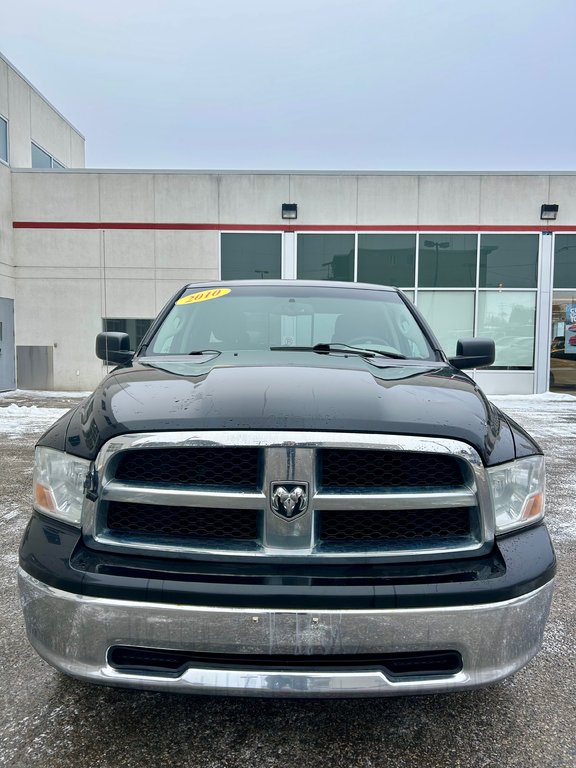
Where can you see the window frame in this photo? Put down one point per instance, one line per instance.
(356, 234)
(331, 232)
(438, 233)
(553, 266)
(535, 287)
(477, 290)
(59, 167)
(413, 234)
(278, 232)
(7, 123)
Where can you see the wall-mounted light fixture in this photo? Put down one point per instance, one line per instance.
(289, 211)
(548, 211)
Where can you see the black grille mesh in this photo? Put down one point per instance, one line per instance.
(394, 526)
(231, 467)
(182, 522)
(352, 468)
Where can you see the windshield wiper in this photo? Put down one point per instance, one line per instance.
(205, 352)
(340, 347)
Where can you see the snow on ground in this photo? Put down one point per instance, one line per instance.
(549, 415)
(545, 402)
(18, 420)
(42, 394)
(24, 412)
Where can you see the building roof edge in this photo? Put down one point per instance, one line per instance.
(49, 103)
(274, 172)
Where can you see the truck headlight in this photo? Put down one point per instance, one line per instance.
(517, 492)
(59, 484)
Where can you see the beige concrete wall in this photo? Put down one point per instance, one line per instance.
(387, 199)
(32, 118)
(19, 147)
(347, 199)
(48, 130)
(62, 312)
(4, 100)
(55, 196)
(450, 199)
(7, 275)
(514, 200)
(69, 279)
(58, 300)
(77, 150)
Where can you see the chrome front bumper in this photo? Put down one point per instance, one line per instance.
(73, 633)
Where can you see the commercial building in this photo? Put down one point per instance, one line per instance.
(489, 254)
(33, 134)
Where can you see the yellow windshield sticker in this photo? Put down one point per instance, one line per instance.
(194, 298)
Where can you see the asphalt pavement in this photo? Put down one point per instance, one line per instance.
(47, 719)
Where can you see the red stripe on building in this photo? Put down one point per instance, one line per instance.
(291, 227)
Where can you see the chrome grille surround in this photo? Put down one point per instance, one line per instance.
(290, 457)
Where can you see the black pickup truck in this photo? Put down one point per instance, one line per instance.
(289, 490)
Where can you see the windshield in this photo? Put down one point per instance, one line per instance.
(248, 317)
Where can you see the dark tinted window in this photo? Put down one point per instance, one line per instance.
(326, 257)
(447, 261)
(249, 255)
(387, 259)
(565, 261)
(508, 261)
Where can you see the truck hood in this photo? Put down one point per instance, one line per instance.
(301, 392)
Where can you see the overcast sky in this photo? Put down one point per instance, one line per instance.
(306, 84)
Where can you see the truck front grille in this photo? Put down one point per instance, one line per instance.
(210, 467)
(212, 493)
(342, 468)
(396, 527)
(182, 522)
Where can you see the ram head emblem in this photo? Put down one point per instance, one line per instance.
(289, 500)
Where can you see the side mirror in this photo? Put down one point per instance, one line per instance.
(473, 353)
(114, 347)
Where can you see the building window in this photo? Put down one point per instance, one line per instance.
(508, 261)
(563, 347)
(509, 318)
(3, 139)
(447, 261)
(250, 255)
(135, 328)
(565, 261)
(387, 259)
(41, 158)
(465, 284)
(326, 257)
(450, 314)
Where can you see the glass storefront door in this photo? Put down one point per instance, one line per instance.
(563, 336)
(563, 346)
